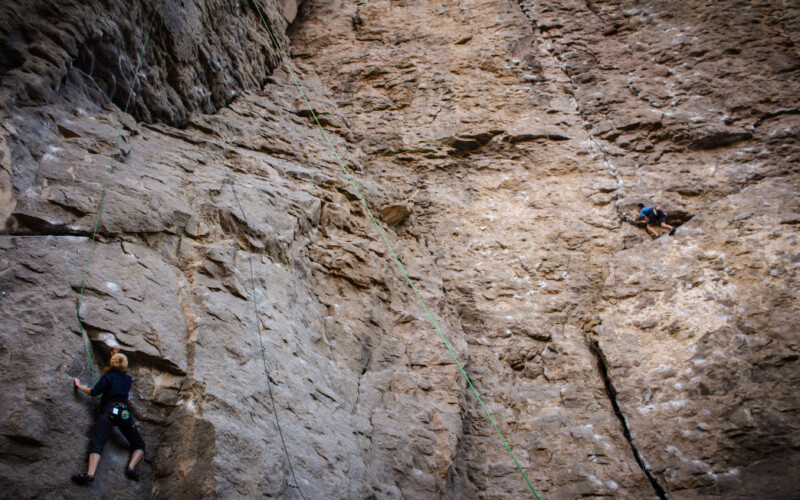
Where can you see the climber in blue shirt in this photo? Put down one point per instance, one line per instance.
(655, 217)
(113, 388)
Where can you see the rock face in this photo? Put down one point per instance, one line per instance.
(196, 62)
(503, 146)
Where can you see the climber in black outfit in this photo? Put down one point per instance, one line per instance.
(114, 387)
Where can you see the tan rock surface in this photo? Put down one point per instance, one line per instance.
(527, 210)
(504, 146)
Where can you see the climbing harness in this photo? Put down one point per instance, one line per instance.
(84, 335)
(391, 250)
(124, 414)
(296, 485)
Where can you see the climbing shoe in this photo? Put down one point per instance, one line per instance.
(132, 474)
(83, 479)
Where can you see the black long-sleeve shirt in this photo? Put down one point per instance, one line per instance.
(114, 387)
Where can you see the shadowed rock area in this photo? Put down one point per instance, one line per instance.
(503, 146)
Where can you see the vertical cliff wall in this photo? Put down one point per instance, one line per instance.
(505, 145)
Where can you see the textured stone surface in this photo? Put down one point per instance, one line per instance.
(701, 335)
(504, 145)
(525, 155)
(196, 62)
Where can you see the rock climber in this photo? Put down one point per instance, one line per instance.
(113, 387)
(654, 217)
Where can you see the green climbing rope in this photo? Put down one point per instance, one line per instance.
(85, 336)
(86, 344)
(391, 250)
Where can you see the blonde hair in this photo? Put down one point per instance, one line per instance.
(118, 363)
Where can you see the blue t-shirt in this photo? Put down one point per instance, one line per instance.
(648, 212)
(114, 387)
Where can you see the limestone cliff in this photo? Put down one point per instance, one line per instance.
(505, 145)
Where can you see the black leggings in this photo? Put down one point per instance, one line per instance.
(106, 423)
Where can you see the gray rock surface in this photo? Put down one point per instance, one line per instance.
(197, 63)
(503, 146)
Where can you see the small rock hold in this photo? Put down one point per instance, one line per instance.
(393, 214)
(66, 132)
(715, 137)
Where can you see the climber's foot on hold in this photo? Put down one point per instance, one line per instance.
(672, 231)
(132, 474)
(83, 479)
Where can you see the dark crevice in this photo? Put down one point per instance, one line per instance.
(529, 14)
(675, 219)
(31, 225)
(602, 367)
(138, 357)
(775, 114)
(459, 478)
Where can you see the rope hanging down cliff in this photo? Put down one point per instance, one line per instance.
(84, 335)
(261, 341)
(391, 250)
